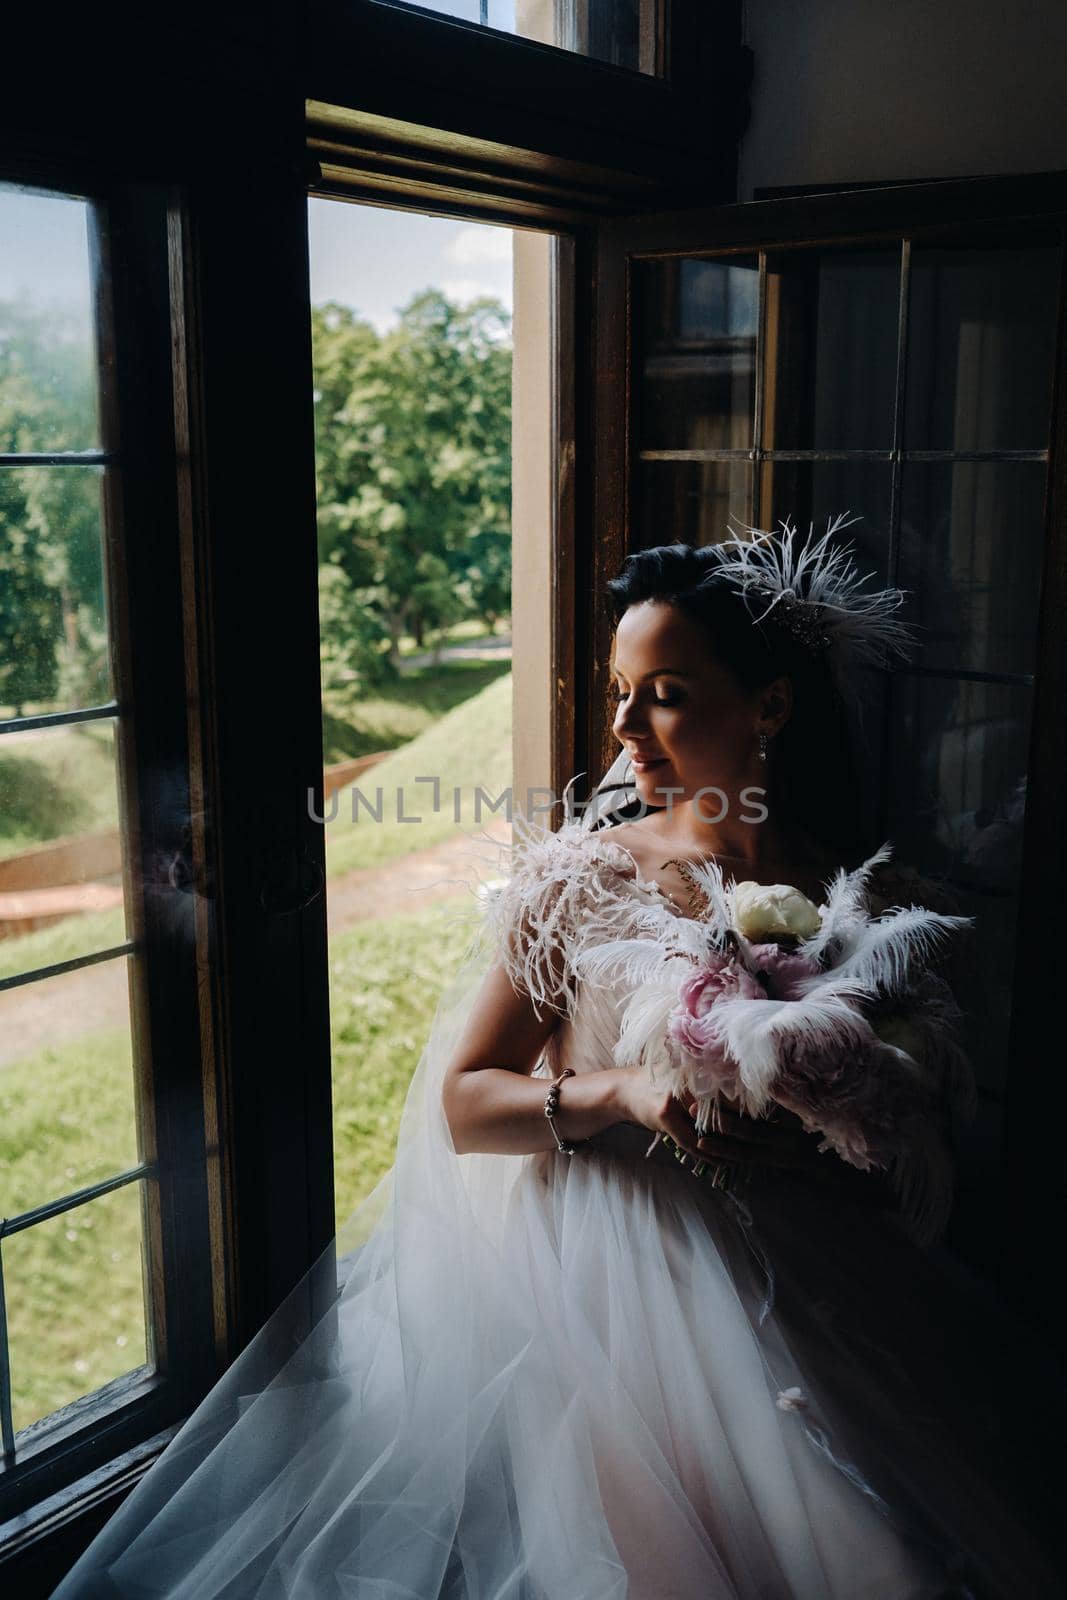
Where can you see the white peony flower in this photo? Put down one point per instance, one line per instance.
(773, 910)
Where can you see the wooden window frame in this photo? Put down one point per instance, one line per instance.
(171, 1012)
(447, 113)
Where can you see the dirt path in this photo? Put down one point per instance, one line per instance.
(490, 647)
(51, 1013)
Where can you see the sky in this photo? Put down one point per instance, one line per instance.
(375, 258)
(372, 258)
(43, 249)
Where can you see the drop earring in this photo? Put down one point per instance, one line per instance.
(763, 747)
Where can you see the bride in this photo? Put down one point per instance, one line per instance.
(580, 1343)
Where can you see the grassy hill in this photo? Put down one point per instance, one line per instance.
(467, 748)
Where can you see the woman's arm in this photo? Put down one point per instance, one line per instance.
(492, 1103)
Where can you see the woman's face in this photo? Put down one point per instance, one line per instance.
(676, 705)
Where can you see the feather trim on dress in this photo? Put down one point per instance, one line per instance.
(562, 895)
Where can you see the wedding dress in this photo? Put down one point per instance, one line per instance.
(600, 1377)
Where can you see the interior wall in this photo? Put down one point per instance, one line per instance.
(854, 91)
(532, 419)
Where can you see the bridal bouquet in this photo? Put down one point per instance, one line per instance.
(827, 1011)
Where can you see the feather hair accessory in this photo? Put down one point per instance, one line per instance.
(816, 593)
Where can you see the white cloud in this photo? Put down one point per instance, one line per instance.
(480, 244)
(464, 289)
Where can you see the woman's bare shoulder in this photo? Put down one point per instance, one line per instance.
(634, 838)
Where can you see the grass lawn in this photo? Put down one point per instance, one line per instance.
(73, 1284)
(60, 781)
(470, 748)
(55, 782)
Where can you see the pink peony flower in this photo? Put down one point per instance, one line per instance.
(782, 969)
(691, 1024)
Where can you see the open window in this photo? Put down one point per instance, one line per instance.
(108, 1325)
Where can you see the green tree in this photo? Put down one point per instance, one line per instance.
(52, 634)
(414, 469)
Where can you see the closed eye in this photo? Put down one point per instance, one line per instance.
(673, 701)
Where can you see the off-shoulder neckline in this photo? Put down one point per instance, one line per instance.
(651, 885)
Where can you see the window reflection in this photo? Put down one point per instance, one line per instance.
(830, 354)
(958, 776)
(696, 502)
(697, 324)
(812, 492)
(971, 544)
(605, 30)
(981, 345)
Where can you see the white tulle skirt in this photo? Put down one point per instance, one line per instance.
(596, 1377)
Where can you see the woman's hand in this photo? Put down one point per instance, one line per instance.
(638, 1100)
(744, 1140)
(777, 1144)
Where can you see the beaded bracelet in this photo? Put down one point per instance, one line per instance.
(551, 1104)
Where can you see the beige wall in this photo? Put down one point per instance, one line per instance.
(532, 515)
(863, 90)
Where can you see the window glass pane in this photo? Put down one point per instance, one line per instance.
(48, 392)
(75, 1303)
(606, 30)
(981, 346)
(695, 353)
(814, 492)
(971, 550)
(865, 716)
(690, 501)
(61, 891)
(53, 616)
(957, 800)
(958, 776)
(67, 1107)
(830, 349)
(984, 984)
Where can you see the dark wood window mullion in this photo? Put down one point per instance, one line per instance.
(891, 679)
(151, 628)
(709, 454)
(59, 719)
(19, 980)
(695, 455)
(60, 458)
(757, 400)
(7, 1430)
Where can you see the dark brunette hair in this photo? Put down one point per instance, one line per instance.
(816, 769)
